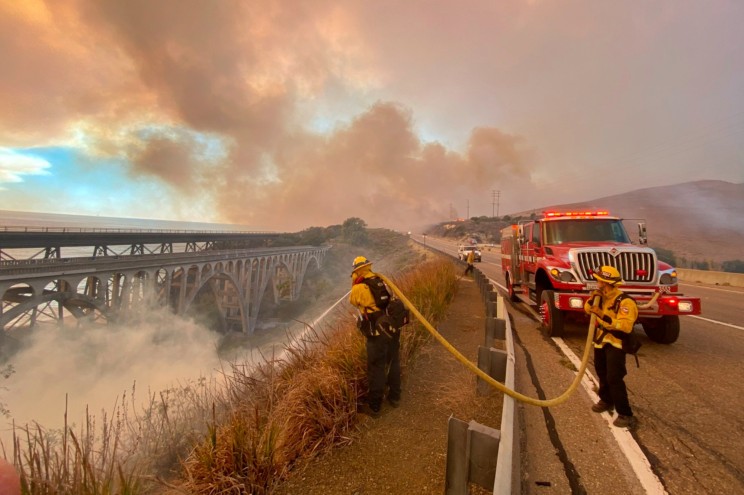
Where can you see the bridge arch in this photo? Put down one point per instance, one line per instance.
(111, 287)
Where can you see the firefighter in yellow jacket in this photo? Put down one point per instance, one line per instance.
(616, 314)
(470, 260)
(383, 344)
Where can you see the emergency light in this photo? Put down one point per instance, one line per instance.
(599, 213)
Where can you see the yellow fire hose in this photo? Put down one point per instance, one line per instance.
(494, 383)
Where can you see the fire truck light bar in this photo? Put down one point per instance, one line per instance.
(550, 214)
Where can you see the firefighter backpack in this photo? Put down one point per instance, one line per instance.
(398, 313)
(379, 291)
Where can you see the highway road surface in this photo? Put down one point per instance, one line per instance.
(687, 396)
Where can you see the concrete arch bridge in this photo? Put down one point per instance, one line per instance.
(104, 289)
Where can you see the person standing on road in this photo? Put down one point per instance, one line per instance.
(470, 260)
(370, 296)
(616, 314)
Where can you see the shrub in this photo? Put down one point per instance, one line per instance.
(733, 266)
(665, 255)
(290, 410)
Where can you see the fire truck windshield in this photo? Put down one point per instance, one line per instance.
(607, 230)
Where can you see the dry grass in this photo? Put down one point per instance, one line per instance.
(290, 410)
(242, 435)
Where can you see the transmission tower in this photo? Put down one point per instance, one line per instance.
(495, 196)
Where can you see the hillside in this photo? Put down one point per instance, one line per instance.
(697, 221)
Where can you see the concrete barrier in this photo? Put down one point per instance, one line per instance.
(710, 277)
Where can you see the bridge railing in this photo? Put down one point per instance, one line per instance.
(23, 228)
(14, 267)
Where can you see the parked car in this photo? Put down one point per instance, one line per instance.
(464, 249)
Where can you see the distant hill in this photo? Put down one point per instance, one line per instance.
(702, 221)
(699, 221)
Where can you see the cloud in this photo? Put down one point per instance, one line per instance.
(14, 165)
(319, 107)
(245, 73)
(375, 168)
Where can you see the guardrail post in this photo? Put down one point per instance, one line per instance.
(479, 278)
(492, 362)
(495, 330)
(491, 299)
(487, 288)
(472, 449)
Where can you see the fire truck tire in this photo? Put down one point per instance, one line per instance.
(552, 318)
(510, 289)
(664, 330)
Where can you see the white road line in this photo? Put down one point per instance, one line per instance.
(629, 447)
(715, 321)
(712, 288)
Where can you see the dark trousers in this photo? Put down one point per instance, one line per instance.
(383, 368)
(469, 268)
(609, 363)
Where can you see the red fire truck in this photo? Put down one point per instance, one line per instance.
(549, 262)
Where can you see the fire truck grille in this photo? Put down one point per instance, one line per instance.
(634, 267)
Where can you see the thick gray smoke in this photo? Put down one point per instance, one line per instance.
(213, 101)
(94, 367)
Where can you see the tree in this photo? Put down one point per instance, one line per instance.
(733, 266)
(314, 236)
(700, 265)
(354, 231)
(666, 255)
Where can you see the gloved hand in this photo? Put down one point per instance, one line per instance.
(596, 311)
(593, 295)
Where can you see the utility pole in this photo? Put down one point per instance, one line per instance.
(468, 210)
(495, 196)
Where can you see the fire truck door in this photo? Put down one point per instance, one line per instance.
(531, 249)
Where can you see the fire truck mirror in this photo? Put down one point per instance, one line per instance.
(642, 239)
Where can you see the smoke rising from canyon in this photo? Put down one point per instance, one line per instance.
(93, 367)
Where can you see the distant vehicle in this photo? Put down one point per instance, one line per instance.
(464, 249)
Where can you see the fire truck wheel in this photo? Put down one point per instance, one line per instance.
(552, 318)
(664, 330)
(510, 288)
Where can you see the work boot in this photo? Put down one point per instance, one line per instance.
(394, 402)
(368, 410)
(602, 406)
(623, 421)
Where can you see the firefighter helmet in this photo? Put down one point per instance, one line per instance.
(608, 274)
(359, 262)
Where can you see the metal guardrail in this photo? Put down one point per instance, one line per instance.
(476, 457)
(506, 470)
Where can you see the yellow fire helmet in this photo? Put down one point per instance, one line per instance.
(608, 274)
(359, 262)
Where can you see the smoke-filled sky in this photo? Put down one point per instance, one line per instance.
(297, 113)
